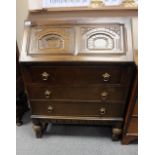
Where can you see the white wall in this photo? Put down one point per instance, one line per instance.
(21, 15)
(135, 32)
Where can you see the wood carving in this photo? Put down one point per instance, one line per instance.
(103, 39)
(51, 40)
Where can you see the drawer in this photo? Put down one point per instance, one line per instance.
(57, 108)
(78, 75)
(101, 93)
(133, 125)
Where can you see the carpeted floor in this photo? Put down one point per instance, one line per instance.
(70, 140)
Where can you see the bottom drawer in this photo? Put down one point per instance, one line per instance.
(133, 125)
(59, 108)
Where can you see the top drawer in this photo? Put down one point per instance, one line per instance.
(78, 75)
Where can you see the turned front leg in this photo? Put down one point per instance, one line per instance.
(39, 127)
(116, 133)
(19, 121)
(38, 130)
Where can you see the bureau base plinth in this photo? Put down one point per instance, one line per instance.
(40, 124)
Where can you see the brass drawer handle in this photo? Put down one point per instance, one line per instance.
(102, 111)
(50, 109)
(106, 77)
(104, 94)
(45, 76)
(47, 94)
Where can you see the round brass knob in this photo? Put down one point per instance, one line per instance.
(50, 109)
(106, 77)
(102, 111)
(104, 94)
(45, 76)
(47, 94)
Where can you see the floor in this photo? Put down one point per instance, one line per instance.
(70, 140)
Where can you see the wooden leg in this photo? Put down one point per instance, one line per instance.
(128, 139)
(19, 121)
(116, 133)
(38, 130)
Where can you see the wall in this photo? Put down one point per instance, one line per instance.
(21, 15)
(135, 32)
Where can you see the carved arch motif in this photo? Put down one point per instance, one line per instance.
(102, 39)
(51, 41)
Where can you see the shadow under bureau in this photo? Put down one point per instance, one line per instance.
(77, 70)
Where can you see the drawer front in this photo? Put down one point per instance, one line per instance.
(101, 93)
(78, 75)
(133, 125)
(76, 109)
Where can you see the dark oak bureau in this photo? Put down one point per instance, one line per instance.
(130, 129)
(77, 70)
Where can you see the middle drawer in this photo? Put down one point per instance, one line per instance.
(101, 93)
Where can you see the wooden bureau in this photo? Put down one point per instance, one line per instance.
(130, 129)
(77, 69)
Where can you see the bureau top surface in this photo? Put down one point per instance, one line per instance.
(49, 38)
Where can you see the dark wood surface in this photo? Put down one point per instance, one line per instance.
(86, 93)
(135, 110)
(133, 126)
(62, 108)
(79, 74)
(74, 96)
(130, 131)
(66, 80)
(66, 48)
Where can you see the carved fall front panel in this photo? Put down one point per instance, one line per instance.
(82, 39)
(51, 40)
(102, 39)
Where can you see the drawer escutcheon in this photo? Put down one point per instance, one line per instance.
(102, 111)
(47, 93)
(50, 109)
(45, 76)
(104, 94)
(106, 77)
